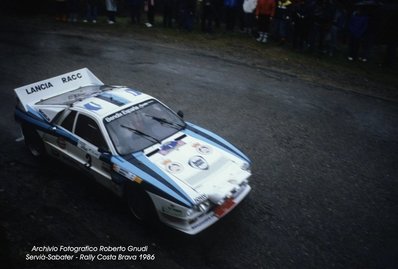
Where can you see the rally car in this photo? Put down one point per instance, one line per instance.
(167, 169)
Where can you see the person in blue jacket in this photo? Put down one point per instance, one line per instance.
(230, 14)
(357, 27)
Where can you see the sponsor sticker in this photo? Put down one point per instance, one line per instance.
(198, 162)
(126, 111)
(202, 149)
(170, 146)
(173, 167)
(92, 106)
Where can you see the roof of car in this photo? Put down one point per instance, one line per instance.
(111, 100)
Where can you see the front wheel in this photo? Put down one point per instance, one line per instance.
(33, 142)
(140, 204)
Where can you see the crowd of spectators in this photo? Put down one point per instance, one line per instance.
(322, 26)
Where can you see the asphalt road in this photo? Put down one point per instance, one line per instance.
(324, 160)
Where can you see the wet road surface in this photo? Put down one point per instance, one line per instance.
(324, 161)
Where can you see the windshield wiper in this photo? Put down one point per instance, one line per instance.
(163, 120)
(147, 136)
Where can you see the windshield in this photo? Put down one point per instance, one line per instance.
(140, 126)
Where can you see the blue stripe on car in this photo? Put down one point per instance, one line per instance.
(112, 98)
(39, 124)
(155, 182)
(211, 138)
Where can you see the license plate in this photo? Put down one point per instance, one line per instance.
(221, 210)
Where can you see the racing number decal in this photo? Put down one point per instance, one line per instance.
(88, 163)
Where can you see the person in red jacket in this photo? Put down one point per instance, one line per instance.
(265, 11)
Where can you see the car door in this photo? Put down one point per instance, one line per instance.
(87, 151)
(84, 154)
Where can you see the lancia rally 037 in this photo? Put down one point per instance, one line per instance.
(167, 169)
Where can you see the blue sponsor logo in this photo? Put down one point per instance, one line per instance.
(169, 146)
(92, 106)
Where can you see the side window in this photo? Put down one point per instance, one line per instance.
(68, 121)
(88, 129)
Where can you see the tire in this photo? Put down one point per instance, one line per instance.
(140, 204)
(33, 142)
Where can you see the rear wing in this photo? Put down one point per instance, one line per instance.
(41, 90)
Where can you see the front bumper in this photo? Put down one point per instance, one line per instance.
(201, 222)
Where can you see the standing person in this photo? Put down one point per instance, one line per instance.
(282, 20)
(337, 27)
(249, 6)
(61, 10)
(230, 14)
(111, 9)
(240, 14)
(207, 16)
(135, 10)
(300, 24)
(149, 7)
(187, 10)
(218, 12)
(357, 26)
(168, 8)
(265, 11)
(73, 8)
(91, 11)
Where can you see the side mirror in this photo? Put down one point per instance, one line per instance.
(180, 114)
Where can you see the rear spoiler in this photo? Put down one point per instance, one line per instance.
(41, 90)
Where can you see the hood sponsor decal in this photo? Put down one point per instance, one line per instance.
(198, 162)
(170, 146)
(202, 149)
(173, 167)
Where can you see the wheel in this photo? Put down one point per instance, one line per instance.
(33, 142)
(140, 204)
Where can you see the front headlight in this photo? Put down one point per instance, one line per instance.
(189, 212)
(203, 207)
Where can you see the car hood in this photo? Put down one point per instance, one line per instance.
(205, 168)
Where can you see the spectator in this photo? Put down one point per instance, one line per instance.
(371, 30)
(282, 20)
(187, 10)
(111, 9)
(265, 11)
(207, 15)
(230, 14)
(322, 17)
(300, 21)
(339, 22)
(240, 14)
(218, 12)
(135, 10)
(149, 7)
(61, 10)
(73, 8)
(168, 8)
(249, 6)
(387, 34)
(91, 11)
(357, 27)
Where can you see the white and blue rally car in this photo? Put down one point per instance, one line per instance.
(167, 169)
